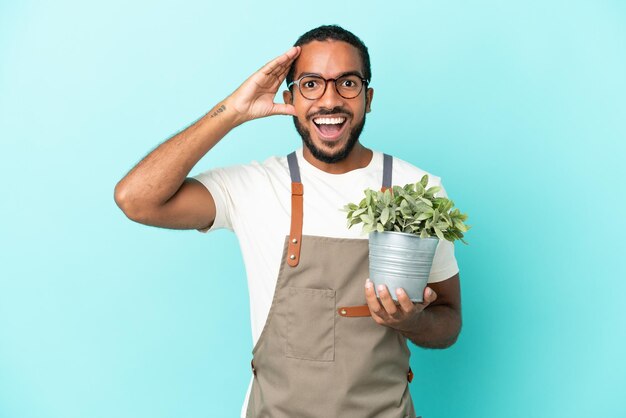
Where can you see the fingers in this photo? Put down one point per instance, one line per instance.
(283, 109)
(385, 307)
(384, 310)
(386, 300)
(372, 300)
(279, 66)
(255, 97)
(406, 304)
(429, 296)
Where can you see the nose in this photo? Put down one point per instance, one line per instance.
(330, 98)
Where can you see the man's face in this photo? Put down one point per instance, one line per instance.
(315, 120)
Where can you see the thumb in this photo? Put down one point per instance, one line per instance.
(429, 295)
(283, 109)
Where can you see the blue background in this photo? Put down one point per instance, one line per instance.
(519, 106)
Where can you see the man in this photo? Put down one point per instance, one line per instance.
(303, 264)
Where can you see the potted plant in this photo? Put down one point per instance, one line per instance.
(405, 225)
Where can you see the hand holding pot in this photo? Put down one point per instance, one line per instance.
(401, 317)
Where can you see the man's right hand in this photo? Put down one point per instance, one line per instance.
(156, 192)
(255, 97)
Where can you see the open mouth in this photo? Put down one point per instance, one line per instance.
(330, 128)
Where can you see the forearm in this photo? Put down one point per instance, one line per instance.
(157, 177)
(437, 326)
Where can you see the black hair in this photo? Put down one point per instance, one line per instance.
(334, 33)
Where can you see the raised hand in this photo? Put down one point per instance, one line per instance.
(255, 97)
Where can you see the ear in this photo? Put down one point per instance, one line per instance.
(369, 95)
(287, 97)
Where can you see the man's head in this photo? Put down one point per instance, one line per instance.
(330, 125)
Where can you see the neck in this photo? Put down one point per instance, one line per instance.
(359, 157)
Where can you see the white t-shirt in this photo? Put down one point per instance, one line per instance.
(254, 201)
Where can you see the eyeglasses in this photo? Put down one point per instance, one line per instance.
(313, 87)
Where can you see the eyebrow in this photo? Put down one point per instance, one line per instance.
(339, 76)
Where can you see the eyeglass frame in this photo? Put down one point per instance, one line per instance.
(326, 80)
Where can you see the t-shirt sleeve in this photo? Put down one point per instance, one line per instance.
(217, 183)
(444, 264)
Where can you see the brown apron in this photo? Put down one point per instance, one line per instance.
(319, 355)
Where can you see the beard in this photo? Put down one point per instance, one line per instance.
(339, 154)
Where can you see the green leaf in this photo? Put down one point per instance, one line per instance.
(425, 215)
(359, 212)
(380, 227)
(460, 226)
(410, 200)
(424, 181)
(419, 190)
(422, 207)
(368, 197)
(432, 190)
(384, 216)
(354, 221)
(439, 233)
(426, 201)
(442, 225)
(387, 197)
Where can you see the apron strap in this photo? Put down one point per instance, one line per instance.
(352, 311)
(387, 171)
(363, 310)
(356, 311)
(294, 169)
(297, 202)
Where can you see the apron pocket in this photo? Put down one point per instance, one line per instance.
(311, 324)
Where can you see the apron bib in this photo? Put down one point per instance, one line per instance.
(319, 355)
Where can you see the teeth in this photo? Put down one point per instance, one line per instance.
(329, 121)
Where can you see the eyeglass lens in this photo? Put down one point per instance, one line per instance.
(348, 86)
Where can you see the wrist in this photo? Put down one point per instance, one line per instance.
(413, 323)
(222, 118)
(232, 113)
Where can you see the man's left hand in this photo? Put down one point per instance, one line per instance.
(402, 317)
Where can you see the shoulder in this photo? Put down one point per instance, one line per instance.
(254, 172)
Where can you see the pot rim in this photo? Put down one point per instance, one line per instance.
(402, 233)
